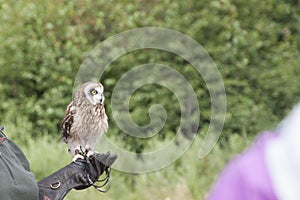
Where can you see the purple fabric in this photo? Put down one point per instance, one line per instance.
(246, 176)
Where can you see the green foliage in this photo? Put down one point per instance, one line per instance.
(188, 178)
(255, 45)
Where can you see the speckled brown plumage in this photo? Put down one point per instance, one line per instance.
(85, 119)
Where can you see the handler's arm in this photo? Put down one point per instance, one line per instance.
(78, 175)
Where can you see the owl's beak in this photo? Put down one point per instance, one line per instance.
(101, 101)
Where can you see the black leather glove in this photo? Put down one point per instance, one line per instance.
(79, 175)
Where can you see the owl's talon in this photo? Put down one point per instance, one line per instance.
(77, 151)
(90, 153)
(77, 156)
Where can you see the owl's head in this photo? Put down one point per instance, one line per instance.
(93, 92)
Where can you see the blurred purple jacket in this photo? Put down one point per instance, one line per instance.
(268, 170)
(246, 177)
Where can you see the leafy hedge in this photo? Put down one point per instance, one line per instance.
(253, 43)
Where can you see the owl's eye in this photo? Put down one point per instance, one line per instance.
(93, 92)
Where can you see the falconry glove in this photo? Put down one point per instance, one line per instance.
(79, 175)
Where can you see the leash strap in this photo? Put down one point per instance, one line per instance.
(104, 183)
(2, 135)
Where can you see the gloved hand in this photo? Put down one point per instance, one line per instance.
(79, 175)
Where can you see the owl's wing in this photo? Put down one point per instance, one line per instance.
(67, 122)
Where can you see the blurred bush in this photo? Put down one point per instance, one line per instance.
(188, 178)
(253, 43)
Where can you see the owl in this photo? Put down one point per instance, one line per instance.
(85, 120)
